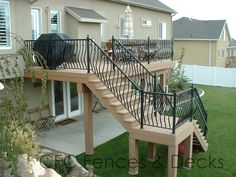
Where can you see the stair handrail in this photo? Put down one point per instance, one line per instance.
(130, 60)
(203, 112)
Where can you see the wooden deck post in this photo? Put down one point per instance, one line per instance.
(188, 151)
(133, 156)
(163, 81)
(152, 151)
(172, 161)
(88, 120)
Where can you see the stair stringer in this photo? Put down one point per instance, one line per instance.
(122, 115)
(200, 137)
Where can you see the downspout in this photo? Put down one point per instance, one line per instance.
(209, 56)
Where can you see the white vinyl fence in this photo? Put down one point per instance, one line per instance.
(215, 76)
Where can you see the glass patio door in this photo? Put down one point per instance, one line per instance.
(74, 100)
(66, 102)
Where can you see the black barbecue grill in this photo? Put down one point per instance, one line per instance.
(54, 48)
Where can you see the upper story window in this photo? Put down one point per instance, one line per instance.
(162, 30)
(35, 22)
(55, 20)
(122, 27)
(5, 25)
(146, 22)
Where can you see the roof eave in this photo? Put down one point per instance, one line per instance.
(33, 1)
(81, 19)
(194, 39)
(172, 12)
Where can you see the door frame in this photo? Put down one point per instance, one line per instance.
(66, 102)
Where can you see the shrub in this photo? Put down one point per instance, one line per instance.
(176, 80)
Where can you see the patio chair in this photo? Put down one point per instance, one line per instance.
(41, 118)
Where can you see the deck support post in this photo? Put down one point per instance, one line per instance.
(188, 150)
(163, 81)
(88, 120)
(152, 151)
(172, 161)
(133, 156)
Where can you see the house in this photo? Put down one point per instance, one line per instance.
(205, 42)
(231, 58)
(126, 86)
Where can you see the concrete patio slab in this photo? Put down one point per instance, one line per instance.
(70, 138)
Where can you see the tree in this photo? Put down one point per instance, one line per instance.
(16, 135)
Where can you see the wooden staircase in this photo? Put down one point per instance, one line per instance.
(199, 140)
(112, 103)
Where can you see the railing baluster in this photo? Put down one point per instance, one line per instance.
(174, 114)
(142, 107)
(88, 54)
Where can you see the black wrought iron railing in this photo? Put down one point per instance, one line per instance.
(66, 53)
(148, 50)
(200, 113)
(131, 83)
(126, 59)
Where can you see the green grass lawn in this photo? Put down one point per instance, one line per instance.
(110, 159)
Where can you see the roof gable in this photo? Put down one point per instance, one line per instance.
(187, 28)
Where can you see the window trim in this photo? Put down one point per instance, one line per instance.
(143, 19)
(161, 37)
(40, 19)
(120, 26)
(60, 20)
(9, 24)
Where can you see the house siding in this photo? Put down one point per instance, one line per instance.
(195, 52)
(112, 12)
(20, 22)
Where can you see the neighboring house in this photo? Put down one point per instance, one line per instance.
(231, 58)
(205, 42)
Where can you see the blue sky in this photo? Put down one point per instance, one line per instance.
(206, 10)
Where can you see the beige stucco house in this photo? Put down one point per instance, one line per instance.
(205, 42)
(124, 84)
(100, 19)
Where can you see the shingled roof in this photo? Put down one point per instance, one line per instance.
(85, 15)
(149, 4)
(188, 28)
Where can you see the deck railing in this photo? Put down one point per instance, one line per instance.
(149, 49)
(147, 104)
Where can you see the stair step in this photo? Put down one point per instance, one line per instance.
(119, 106)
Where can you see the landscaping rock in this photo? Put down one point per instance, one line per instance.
(29, 167)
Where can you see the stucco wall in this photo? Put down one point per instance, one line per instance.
(20, 22)
(194, 52)
(197, 52)
(111, 11)
(33, 94)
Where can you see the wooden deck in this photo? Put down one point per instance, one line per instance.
(89, 84)
(81, 76)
